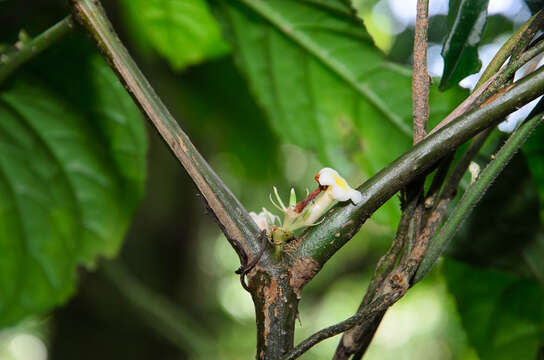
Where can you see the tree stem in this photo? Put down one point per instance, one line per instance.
(11, 61)
(276, 309)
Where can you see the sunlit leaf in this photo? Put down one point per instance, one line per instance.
(467, 20)
(182, 31)
(72, 170)
(323, 84)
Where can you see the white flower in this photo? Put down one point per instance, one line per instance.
(339, 188)
(264, 219)
(474, 170)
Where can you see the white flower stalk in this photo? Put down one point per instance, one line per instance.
(265, 219)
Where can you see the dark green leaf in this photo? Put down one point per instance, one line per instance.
(182, 31)
(534, 151)
(504, 223)
(72, 169)
(535, 5)
(503, 315)
(323, 83)
(460, 51)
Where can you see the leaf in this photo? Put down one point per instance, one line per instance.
(534, 5)
(72, 170)
(324, 85)
(460, 50)
(230, 120)
(534, 151)
(182, 31)
(503, 315)
(509, 210)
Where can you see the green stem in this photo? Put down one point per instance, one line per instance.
(10, 62)
(474, 193)
(161, 315)
(322, 241)
(504, 53)
(232, 217)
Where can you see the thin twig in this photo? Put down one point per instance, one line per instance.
(376, 306)
(10, 62)
(354, 339)
(413, 214)
(466, 105)
(475, 192)
(420, 78)
(359, 337)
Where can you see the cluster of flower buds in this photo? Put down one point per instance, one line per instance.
(296, 216)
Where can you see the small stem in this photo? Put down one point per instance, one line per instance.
(11, 61)
(359, 336)
(420, 78)
(163, 316)
(474, 193)
(376, 306)
(504, 53)
(533, 25)
(492, 78)
(239, 228)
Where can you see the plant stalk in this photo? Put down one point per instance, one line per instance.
(10, 62)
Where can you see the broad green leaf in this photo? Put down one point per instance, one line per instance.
(460, 50)
(182, 31)
(72, 168)
(503, 315)
(324, 85)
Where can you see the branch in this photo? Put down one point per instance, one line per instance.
(359, 336)
(344, 220)
(474, 193)
(420, 78)
(11, 61)
(485, 88)
(375, 307)
(397, 283)
(239, 228)
(356, 340)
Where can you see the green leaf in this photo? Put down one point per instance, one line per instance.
(534, 5)
(534, 151)
(503, 315)
(460, 50)
(182, 31)
(72, 170)
(502, 215)
(324, 85)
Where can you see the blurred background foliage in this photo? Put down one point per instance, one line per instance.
(265, 111)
